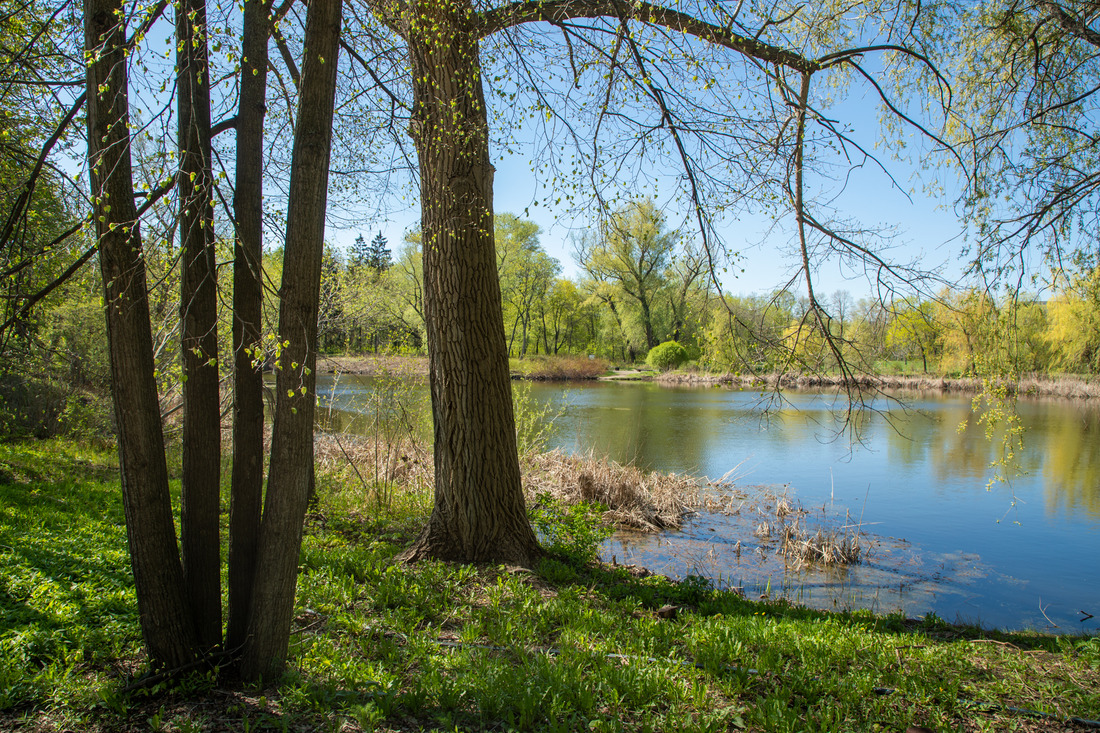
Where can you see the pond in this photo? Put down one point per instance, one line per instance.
(938, 536)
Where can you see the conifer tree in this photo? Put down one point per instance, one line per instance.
(378, 254)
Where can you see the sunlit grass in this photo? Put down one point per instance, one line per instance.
(572, 645)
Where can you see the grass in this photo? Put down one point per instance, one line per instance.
(573, 645)
(557, 368)
(1062, 386)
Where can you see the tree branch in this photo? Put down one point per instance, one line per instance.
(556, 11)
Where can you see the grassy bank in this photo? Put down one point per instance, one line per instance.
(564, 368)
(536, 367)
(1071, 387)
(572, 645)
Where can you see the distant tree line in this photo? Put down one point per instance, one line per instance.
(642, 284)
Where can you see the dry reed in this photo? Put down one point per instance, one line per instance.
(825, 546)
(635, 499)
(1069, 387)
(560, 368)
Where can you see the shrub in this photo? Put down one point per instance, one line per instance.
(573, 532)
(668, 355)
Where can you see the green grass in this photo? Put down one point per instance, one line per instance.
(66, 593)
(571, 646)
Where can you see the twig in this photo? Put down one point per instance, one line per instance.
(1045, 614)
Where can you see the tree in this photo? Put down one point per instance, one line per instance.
(913, 331)
(170, 632)
(200, 495)
(479, 511)
(1026, 112)
(1074, 330)
(246, 482)
(39, 215)
(360, 252)
(634, 251)
(291, 470)
(378, 254)
(167, 627)
(526, 273)
(407, 307)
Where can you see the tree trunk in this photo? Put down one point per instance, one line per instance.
(647, 321)
(200, 494)
(292, 439)
(479, 513)
(166, 625)
(246, 490)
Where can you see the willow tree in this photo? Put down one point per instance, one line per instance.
(1027, 113)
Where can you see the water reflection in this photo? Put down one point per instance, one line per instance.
(1013, 555)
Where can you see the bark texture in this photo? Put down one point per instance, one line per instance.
(166, 625)
(248, 409)
(292, 441)
(200, 495)
(479, 513)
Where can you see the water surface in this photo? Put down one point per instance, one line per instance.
(1016, 554)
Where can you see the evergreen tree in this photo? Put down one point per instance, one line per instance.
(377, 253)
(360, 252)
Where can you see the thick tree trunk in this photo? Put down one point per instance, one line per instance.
(166, 625)
(479, 512)
(200, 496)
(246, 490)
(291, 468)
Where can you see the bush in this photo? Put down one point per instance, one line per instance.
(668, 355)
(573, 532)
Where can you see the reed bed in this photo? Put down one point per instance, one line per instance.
(635, 499)
(558, 368)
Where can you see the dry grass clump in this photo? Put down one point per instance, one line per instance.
(394, 461)
(561, 368)
(832, 546)
(635, 499)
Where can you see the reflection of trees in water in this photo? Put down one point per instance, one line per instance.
(1061, 442)
(653, 426)
(959, 446)
(657, 426)
(1072, 462)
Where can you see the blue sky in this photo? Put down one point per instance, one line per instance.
(925, 228)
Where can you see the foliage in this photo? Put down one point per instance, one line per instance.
(668, 355)
(571, 531)
(534, 420)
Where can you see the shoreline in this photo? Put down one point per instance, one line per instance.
(1035, 386)
(1074, 388)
